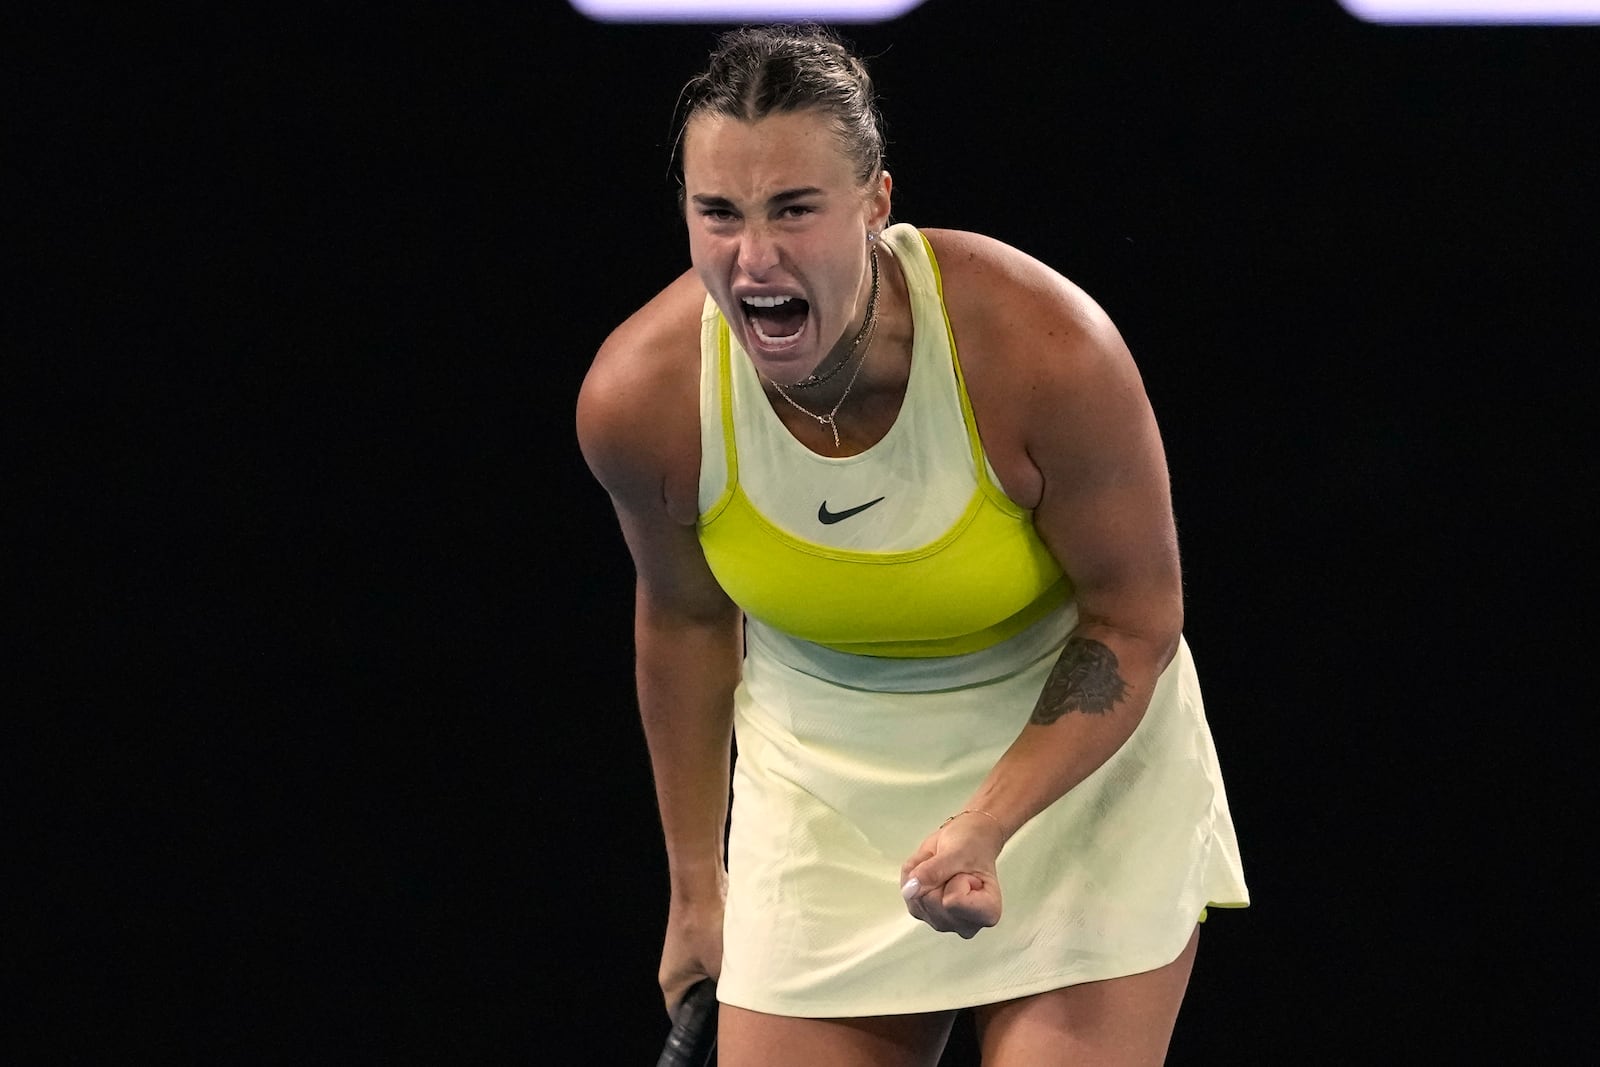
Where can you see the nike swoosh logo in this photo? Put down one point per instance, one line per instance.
(828, 518)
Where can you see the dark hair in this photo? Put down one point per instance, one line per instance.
(756, 71)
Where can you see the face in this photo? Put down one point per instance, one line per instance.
(778, 228)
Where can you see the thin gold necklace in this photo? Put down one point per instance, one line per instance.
(866, 331)
(811, 380)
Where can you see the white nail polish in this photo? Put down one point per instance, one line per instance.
(909, 890)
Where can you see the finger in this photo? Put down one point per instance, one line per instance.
(969, 919)
(975, 905)
(928, 875)
(924, 903)
(946, 922)
(916, 899)
(929, 906)
(920, 856)
(675, 993)
(927, 890)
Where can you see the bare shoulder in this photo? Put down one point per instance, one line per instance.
(638, 405)
(1048, 372)
(997, 292)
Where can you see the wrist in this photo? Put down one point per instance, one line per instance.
(1005, 832)
(697, 880)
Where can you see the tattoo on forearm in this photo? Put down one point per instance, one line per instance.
(1085, 679)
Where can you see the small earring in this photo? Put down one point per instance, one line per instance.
(871, 237)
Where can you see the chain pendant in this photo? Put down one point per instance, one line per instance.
(864, 339)
(834, 426)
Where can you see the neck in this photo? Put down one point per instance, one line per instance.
(858, 342)
(862, 344)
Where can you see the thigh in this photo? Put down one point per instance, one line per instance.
(753, 1039)
(1119, 1021)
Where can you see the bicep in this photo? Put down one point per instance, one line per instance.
(1105, 507)
(673, 580)
(647, 466)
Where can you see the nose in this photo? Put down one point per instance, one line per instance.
(758, 250)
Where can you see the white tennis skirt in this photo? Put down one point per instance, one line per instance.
(835, 785)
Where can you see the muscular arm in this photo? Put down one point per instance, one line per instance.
(1093, 468)
(637, 428)
(687, 640)
(1063, 410)
(686, 664)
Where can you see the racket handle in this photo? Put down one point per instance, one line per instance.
(694, 1028)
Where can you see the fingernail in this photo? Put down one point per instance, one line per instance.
(909, 890)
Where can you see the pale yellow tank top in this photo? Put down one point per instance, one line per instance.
(910, 549)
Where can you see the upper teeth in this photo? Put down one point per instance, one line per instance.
(767, 301)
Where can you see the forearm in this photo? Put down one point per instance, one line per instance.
(686, 671)
(1091, 703)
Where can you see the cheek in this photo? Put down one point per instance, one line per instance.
(714, 278)
(707, 255)
(712, 264)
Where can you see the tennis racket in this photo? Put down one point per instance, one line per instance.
(694, 1028)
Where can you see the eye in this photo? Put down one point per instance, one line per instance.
(796, 211)
(717, 214)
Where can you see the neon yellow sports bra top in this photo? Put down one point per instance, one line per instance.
(910, 549)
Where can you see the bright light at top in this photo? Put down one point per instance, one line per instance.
(743, 10)
(1476, 12)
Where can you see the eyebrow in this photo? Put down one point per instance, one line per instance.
(776, 200)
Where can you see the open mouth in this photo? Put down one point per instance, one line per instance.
(776, 320)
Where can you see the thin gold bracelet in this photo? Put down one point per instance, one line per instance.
(973, 811)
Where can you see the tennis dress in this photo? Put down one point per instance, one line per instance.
(901, 618)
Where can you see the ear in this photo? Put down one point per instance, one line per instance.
(878, 203)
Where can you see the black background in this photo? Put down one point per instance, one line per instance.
(330, 628)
